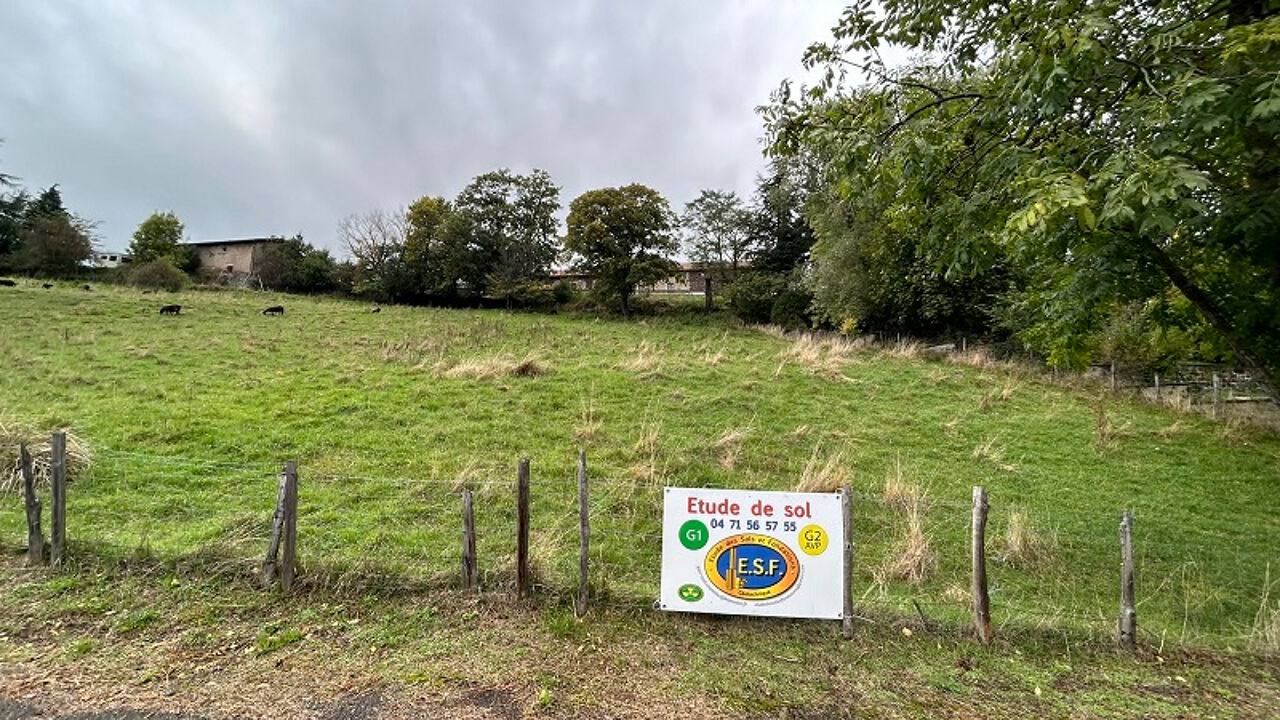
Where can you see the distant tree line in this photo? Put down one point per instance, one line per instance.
(497, 243)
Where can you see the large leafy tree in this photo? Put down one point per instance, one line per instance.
(293, 265)
(622, 237)
(719, 225)
(512, 224)
(158, 237)
(13, 210)
(49, 238)
(1112, 152)
(53, 244)
(438, 250)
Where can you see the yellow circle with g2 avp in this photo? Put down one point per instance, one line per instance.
(813, 540)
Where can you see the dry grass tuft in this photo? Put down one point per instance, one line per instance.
(957, 595)
(1265, 635)
(976, 358)
(800, 431)
(714, 359)
(994, 454)
(467, 476)
(904, 350)
(899, 492)
(644, 359)
(1023, 545)
(729, 447)
(589, 424)
(912, 557)
(647, 448)
(1176, 428)
(824, 474)
(951, 427)
(995, 395)
(492, 368)
(823, 355)
(14, 432)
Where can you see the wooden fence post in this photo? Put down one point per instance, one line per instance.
(1216, 382)
(269, 563)
(1113, 375)
(584, 534)
(846, 511)
(981, 601)
(289, 563)
(1128, 614)
(35, 536)
(1157, 387)
(58, 509)
(470, 572)
(522, 529)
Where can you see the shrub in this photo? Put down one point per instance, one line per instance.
(751, 297)
(159, 274)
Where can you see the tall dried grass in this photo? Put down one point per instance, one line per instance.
(647, 448)
(645, 358)
(492, 368)
(826, 356)
(992, 452)
(1265, 635)
(1023, 544)
(15, 432)
(729, 447)
(824, 474)
(589, 424)
(912, 558)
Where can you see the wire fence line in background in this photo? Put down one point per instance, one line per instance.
(351, 530)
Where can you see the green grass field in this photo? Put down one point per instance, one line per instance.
(189, 418)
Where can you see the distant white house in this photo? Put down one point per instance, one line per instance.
(108, 259)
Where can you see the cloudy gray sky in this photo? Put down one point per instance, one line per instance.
(257, 118)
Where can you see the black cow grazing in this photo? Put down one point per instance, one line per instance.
(274, 310)
(171, 310)
(8, 283)
(376, 310)
(46, 286)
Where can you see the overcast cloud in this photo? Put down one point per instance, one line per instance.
(259, 118)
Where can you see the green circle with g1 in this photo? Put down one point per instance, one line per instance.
(693, 534)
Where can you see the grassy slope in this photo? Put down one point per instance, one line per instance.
(385, 416)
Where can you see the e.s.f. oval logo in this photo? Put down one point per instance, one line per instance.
(752, 567)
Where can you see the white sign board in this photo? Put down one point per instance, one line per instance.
(739, 552)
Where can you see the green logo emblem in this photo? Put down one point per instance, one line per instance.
(690, 593)
(693, 535)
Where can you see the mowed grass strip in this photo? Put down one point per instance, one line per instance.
(390, 414)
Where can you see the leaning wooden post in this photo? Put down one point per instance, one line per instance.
(981, 601)
(470, 573)
(1128, 614)
(846, 512)
(289, 563)
(270, 562)
(709, 300)
(58, 510)
(522, 529)
(35, 536)
(584, 534)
